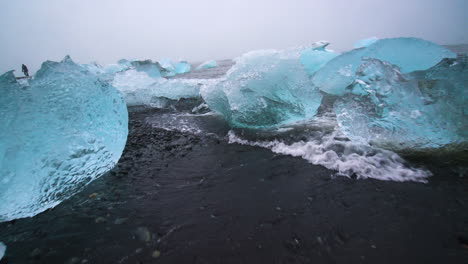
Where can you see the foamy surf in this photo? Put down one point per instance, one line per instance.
(347, 158)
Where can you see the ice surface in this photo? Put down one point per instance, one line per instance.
(409, 54)
(182, 67)
(365, 42)
(396, 111)
(316, 57)
(63, 130)
(139, 88)
(207, 65)
(264, 88)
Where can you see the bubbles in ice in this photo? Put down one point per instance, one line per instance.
(60, 132)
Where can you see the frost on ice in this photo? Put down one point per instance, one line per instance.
(408, 54)
(264, 88)
(59, 132)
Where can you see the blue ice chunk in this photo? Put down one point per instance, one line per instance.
(409, 54)
(207, 65)
(263, 89)
(365, 42)
(153, 69)
(182, 67)
(60, 132)
(396, 111)
(167, 64)
(316, 57)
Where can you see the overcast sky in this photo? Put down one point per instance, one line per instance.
(106, 30)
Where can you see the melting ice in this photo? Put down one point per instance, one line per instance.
(59, 132)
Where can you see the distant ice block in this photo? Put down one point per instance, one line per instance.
(207, 65)
(264, 88)
(107, 72)
(396, 111)
(153, 69)
(316, 57)
(182, 67)
(365, 42)
(409, 54)
(63, 130)
(140, 89)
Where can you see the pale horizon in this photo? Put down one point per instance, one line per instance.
(106, 31)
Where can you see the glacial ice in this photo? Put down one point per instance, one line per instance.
(315, 58)
(153, 69)
(414, 111)
(60, 132)
(365, 42)
(207, 65)
(139, 88)
(409, 54)
(264, 88)
(167, 64)
(182, 67)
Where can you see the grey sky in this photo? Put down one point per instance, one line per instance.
(106, 30)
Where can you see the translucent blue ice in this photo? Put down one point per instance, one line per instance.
(409, 54)
(207, 65)
(364, 42)
(153, 69)
(59, 132)
(167, 64)
(414, 111)
(182, 67)
(264, 88)
(316, 57)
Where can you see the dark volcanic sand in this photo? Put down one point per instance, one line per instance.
(197, 199)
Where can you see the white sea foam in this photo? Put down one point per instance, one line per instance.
(345, 157)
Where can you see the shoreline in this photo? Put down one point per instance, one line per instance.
(197, 199)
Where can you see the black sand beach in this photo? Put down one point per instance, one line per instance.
(184, 198)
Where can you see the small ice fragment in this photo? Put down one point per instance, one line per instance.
(207, 65)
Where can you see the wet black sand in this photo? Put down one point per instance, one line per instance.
(181, 198)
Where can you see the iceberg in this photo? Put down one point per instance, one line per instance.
(207, 65)
(263, 89)
(59, 132)
(409, 54)
(365, 42)
(182, 67)
(139, 88)
(399, 111)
